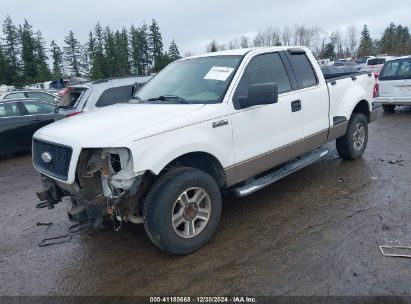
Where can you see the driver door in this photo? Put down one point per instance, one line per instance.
(264, 134)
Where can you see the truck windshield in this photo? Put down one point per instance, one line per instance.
(201, 80)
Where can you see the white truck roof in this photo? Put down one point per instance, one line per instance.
(244, 51)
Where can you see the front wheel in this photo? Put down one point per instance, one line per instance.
(182, 210)
(353, 144)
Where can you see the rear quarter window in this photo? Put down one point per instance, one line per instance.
(303, 70)
(72, 98)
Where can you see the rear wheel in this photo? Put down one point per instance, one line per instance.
(182, 210)
(353, 144)
(388, 108)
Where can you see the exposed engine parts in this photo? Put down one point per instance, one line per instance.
(105, 186)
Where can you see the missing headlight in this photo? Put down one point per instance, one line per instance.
(115, 162)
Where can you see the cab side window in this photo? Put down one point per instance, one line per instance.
(266, 68)
(9, 109)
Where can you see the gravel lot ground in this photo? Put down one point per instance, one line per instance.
(315, 232)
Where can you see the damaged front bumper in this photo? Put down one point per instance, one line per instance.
(105, 186)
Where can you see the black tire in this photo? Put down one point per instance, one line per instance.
(160, 203)
(388, 108)
(346, 147)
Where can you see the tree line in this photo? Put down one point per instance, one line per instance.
(395, 40)
(25, 56)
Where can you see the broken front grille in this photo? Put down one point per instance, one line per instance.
(52, 159)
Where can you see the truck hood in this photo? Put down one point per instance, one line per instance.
(103, 127)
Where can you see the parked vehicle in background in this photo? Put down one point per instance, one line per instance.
(97, 94)
(362, 61)
(395, 83)
(19, 119)
(38, 94)
(234, 120)
(345, 63)
(325, 62)
(375, 65)
(5, 88)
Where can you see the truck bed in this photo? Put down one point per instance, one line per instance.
(337, 76)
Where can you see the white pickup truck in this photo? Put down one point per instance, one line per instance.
(232, 121)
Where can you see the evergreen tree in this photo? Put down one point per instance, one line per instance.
(139, 50)
(388, 43)
(28, 56)
(85, 61)
(366, 44)
(328, 50)
(212, 46)
(43, 70)
(98, 63)
(89, 53)
(3, 66)
(110, 52)
(10, 51)
(173, 52)
(72, 54)
(155, 44)
(404, 41)
(57, 56)
(122, 64)
(163, 61)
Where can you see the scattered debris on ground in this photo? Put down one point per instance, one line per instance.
(396, 251)
(56, 240)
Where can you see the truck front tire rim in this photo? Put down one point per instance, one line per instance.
(358, 136)
(191, 212)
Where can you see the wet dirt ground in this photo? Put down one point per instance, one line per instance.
(315, 232)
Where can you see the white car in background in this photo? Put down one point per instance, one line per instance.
(375, 65)
(395, 83)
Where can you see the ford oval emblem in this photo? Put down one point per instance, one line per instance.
(46, 157)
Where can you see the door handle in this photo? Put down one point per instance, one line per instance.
(296, 105)
(36, 119)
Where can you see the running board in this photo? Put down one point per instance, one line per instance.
(280, 172)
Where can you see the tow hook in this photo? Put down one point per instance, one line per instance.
(51, 193)
(45, 200)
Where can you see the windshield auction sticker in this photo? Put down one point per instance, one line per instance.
(219, 73)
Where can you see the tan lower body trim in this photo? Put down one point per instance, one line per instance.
(266, 161)
(338, 130)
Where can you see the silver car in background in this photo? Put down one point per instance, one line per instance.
(99, 93)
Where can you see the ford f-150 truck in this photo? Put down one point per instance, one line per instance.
(232, 121)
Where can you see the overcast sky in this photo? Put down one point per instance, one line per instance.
(193, 23)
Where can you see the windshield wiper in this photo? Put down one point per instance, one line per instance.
(168, 97)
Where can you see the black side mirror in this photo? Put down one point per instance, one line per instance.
(260, 94)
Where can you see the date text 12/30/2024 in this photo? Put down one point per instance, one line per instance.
(203, 299)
